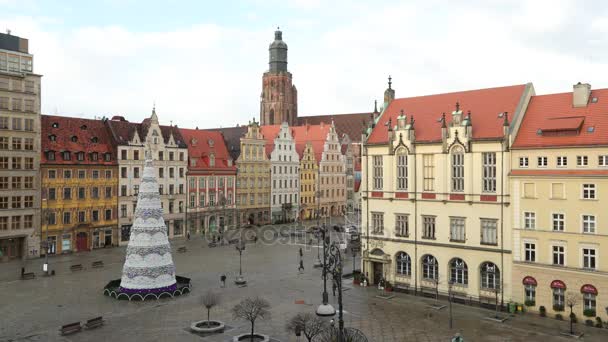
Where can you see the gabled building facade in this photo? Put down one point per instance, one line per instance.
(211, 183)
(332, 176)
(309, 171)
(80, 185)
(559, 182)
(170, 154)
(253, 178)
(435, 193)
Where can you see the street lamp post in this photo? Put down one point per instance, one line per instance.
(240, 247)
(325, 309)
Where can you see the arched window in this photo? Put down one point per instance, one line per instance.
(401, 170)
(457, 169)
(459, 272)
(404, 264)
(271, 117)
(430, 268)
(490, 276)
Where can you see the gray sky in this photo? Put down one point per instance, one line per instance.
(202, 63)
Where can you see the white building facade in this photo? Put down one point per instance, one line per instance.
(285, 177)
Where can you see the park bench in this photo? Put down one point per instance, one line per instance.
(29, 275)
(70, 328)
(94, 322)
(97, 264)
(77, 267)
(182, 249)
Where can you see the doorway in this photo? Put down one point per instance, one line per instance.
(377, 269)
(81, 241)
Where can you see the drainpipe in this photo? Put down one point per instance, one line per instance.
(415, 224)
(367, 204)
(502, 206)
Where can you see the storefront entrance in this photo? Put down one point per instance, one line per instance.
(377, 269)
(11, 249)
(81, 242)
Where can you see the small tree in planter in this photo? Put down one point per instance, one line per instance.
(357, 278)
(210, 300)
(306, 323)
(571, 300)
(250, 309)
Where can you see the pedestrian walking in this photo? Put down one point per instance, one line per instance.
(301, 253)
(188, 235)
(255, 239)
(301, 268)
(223, 280)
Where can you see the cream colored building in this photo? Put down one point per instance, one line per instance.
(435, 193)
(559, 184)
(19, 151)
(332, 176)
(170, 154)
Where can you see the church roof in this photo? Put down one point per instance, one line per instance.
(350, 124)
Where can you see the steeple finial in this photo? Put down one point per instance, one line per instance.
(506, 117)
(443, 124)
(390, 81)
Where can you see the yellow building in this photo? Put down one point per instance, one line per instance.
(79, 178)
(559, 184)
(435, 195)
(253, 178)
(309, 169)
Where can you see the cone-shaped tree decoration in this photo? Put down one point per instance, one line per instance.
(148, 264)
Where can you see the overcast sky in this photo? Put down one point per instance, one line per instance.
(202, 61)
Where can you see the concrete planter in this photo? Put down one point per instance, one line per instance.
(256, 338)
(201, 326)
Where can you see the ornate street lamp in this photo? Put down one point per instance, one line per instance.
(240, 247)
(325, 309)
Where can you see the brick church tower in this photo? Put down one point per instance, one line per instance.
(279, 99)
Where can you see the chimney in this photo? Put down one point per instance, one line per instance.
(580, 94)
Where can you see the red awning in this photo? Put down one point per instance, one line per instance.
(558, 284)
(529, 281)
(588, 288)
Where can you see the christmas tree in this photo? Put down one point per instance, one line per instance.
(148, 264)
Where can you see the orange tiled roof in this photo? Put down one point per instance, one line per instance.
(314, 134)
(484, 104)
(75, 135)
(563, 124)
(352, 125)
(201, 144)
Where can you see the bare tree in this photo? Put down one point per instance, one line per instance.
(310, 325)
(250, 309)
(209, 300)
(571, 299)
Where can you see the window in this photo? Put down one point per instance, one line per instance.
(108, 192)
(16, 163)
(3, 143)
(181, 156)
(123, 190)
(523, 161)
(588, 223)
(66, 155)
(135, 190)
(602, 160)
(135, 155)
(490, 276)
(16, 182)
(562, 161)
(171, 156)
(3, 102)
(181, 172)
(582, 161)
(529, 220)
(428, 165)
(17, 104)
(488, 231)
(16, 222)
(401, 171)
(558, 222)
(558, 191)
(3, 202)
(161, 155)
(81, 192)
(171, 206)
(52, 219)
(3, 183)
(171, 173)
(489, 171)
(457, 169)
(558, 298)
(428, 231)
(202, 199)
(402, 225)
(29, 123)
(123, 172)
(588, 191)
(589, 301)
(16, 143)
(377, 223)
(3, 122)
(161, 172)
(16, 202)
(171, 189)
(136, 172)
(28, 144)
(52, 194)
(29, 163)
(4, 163)
(28, 221)
(66, 217)
(67, 193)
(95, 215)
(589, 256)
(4, 223)
(108, 214)
(81, 216)
(430, 268)
(457, 229)
(28, 182)
(403, 264)
(95, 192)
(123, 210)
(95, 174)
(558, 255)
(530, 293)
(377, 172)
(108, 174)
(161, 189)
(530, 252)
(459, 272)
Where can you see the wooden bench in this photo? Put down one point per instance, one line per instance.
(77, 267)
(94, 323)
(70, 328)
(97, 264)
(182, 249)
(29, 275)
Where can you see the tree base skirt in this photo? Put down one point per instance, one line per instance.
(114, 290)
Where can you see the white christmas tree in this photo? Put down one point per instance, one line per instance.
(148, 264)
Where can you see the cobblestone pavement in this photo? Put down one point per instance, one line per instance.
(33, 310)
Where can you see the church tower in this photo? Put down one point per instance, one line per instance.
(279, 98)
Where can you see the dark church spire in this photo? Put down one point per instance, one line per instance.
(278, 53)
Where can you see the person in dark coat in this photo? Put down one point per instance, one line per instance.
(223, 280)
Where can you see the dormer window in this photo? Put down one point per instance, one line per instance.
(94, 156)
(212, 160)
(94, 140)
(74, 138)
(192, 161)
(83, 127)
(107, 157)
(229, 162)
(55, 125)
(52, 137)
(50, 155)
(80, 156)
(66, 155)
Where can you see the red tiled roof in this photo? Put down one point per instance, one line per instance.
(314, 134)
(352, 125)
(83, 131)
(484, 104)
(199, 146)
(123, 131)
(554, 113)
(564, 172)
(232, 137)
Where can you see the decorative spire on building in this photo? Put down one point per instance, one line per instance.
(148, 264)
(389, 93)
